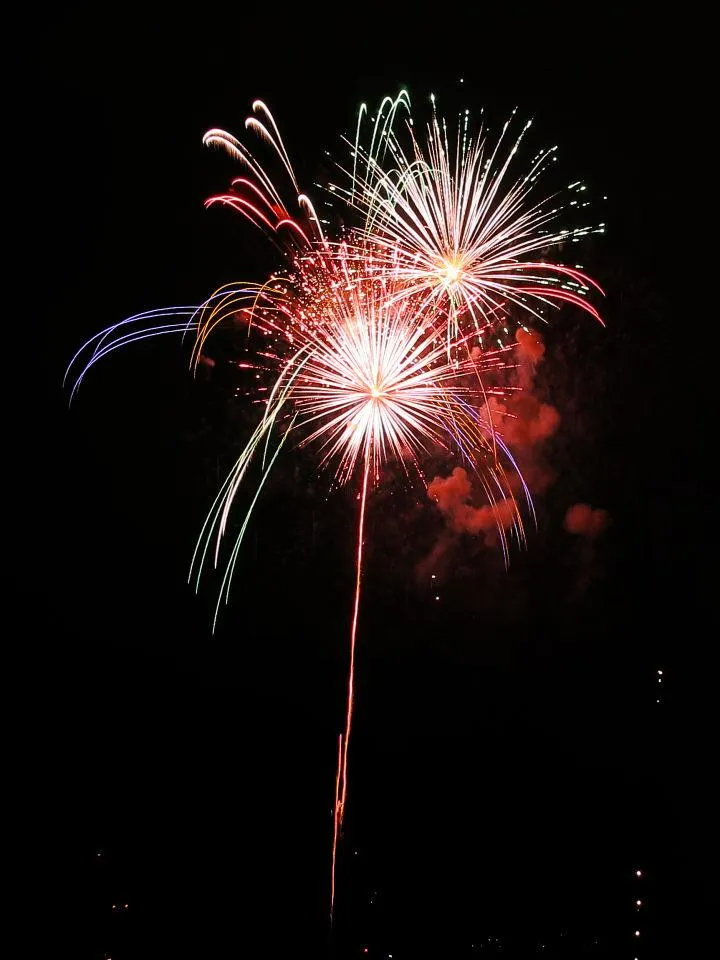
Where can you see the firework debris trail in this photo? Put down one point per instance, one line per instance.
(390, 340)
(341, 779)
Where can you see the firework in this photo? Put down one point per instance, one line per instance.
(448, 219)
(374, 347)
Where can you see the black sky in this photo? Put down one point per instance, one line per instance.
(511, 767)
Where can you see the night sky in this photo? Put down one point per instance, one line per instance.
(511, 768)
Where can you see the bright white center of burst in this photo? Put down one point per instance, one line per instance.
(450, 271)
(375, 393)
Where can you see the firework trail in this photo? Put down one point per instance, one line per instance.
(258, 199)
(341, 780)
(369, 348)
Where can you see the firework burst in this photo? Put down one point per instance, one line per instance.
(446, 217)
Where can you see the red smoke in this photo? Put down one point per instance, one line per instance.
(523, 422)
(529, 345)
(452, 493)
(529, 350)
(520, 418)
(581, 519)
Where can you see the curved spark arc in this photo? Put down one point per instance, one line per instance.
(202, 320)
(122, 333)
(265, 208)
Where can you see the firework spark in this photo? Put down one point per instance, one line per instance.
(257, 198)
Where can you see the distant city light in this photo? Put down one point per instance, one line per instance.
(638, 873)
